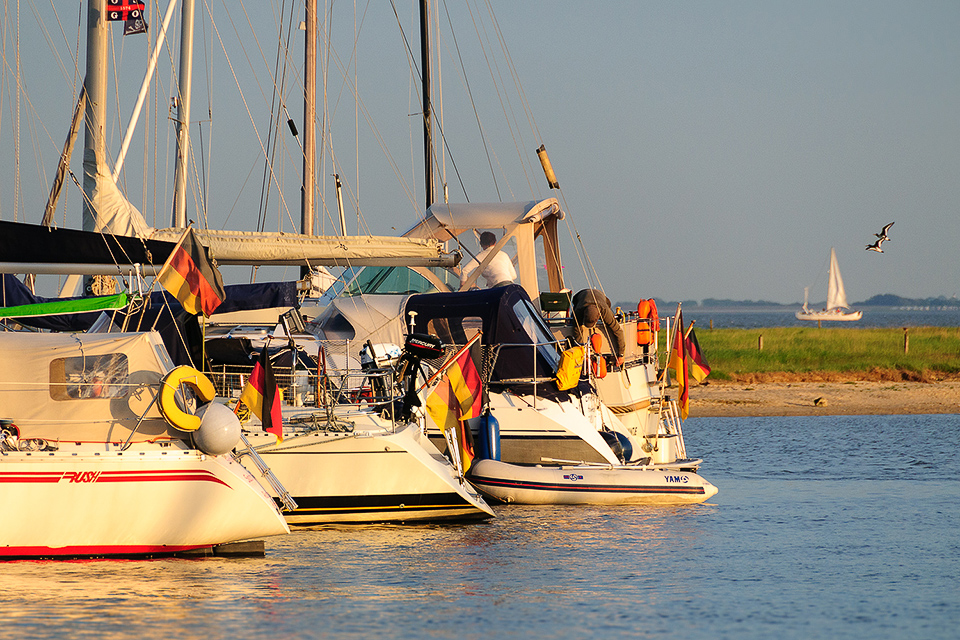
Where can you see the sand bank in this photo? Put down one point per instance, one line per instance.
(823, 398)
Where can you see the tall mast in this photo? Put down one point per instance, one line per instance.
(307, 187)
(183, 115)
(307, 207)
(95, 111)
(427, 109)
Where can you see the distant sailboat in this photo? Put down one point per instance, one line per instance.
(836, 298)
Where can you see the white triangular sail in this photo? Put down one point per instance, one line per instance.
(836, 296)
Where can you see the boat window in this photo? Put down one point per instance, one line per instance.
(88, 377)
(455, 330)
(537, 331)
(388, 280)
(337, 327)
(399, 280)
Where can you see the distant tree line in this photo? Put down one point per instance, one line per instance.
(882, 300)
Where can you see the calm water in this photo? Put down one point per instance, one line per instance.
(840, 527)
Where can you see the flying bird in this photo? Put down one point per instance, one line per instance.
(876, 245)
(883, 233)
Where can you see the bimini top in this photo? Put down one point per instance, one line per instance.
(510, 324)
(445, 220)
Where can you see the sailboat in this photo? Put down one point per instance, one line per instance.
(836, 298)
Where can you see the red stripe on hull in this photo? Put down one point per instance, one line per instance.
(110, 476)
(91, 551)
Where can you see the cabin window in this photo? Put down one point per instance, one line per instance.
(89, 377)
(537, 331)
(455, 330)
(388, 280)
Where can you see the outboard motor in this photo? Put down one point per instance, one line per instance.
(417, 347)
(620, 444)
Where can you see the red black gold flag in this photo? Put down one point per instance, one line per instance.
(680, 364)
(458, 397)
(699, 369)
(191, 277)
(262, 396)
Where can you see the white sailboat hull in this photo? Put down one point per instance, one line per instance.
(367, 476)
(833, 316)
(132, 503)
(585, 484)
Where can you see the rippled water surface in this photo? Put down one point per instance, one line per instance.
(823, 528)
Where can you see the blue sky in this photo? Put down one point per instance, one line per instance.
(704, 149)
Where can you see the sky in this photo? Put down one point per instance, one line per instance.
(704, 149)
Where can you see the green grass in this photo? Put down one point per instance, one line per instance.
(799, 350)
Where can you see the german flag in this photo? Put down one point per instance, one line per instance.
(679, 362)
(191, 277)
(458, 397)
(262, 396)
(699, 369)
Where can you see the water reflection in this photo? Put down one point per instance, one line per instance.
(800, 542)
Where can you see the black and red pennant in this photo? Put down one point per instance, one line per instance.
(124, 10)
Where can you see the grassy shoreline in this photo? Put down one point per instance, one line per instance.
(838, 354)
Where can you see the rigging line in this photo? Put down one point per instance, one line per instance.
(473, 105)
(581, 250)
(378, 136)
(496, 81)
(46, 34)
(208, 65)
(247, 107)
(103, 234)
(415, 71)
(279, 99)
(531, 119)
(273, 132)
(511, 118)
(270, 158)
(16, 120)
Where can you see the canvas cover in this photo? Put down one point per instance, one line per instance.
(507, 318)
(522, 221)
(82, 387)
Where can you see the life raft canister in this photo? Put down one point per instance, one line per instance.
(599, 364)
(171, 411)
(647, 321)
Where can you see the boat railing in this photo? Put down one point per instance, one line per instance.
(304, 388)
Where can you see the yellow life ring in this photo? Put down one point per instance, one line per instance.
(196, 380)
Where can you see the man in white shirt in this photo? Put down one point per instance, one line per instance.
(499, 271)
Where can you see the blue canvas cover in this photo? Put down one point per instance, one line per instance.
(507, 318)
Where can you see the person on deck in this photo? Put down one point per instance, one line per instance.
(499, 271)
(590, 306)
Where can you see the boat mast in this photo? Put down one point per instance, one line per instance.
(308, 179)
(307, 207)
(183, 114)
(427, 113)
(95, 111)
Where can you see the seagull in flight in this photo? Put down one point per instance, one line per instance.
(883, 233)
(876, 245)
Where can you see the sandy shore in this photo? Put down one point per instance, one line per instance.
(823, 398)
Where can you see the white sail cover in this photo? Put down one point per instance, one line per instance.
(251, 248)
(836, 296)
